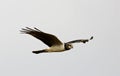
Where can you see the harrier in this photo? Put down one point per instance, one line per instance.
(55, 45)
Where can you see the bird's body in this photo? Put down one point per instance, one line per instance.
(57, 48)
(55, 45)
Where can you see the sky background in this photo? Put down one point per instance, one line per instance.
(69, 20)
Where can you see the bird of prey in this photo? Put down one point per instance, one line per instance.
(54, 44)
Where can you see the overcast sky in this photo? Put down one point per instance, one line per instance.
(69, 20)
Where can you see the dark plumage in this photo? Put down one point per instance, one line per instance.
(55, 45)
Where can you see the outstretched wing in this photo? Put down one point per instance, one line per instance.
(80, 40)
(48, 39)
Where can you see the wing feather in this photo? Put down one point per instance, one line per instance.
(80, 40)
(48, 39)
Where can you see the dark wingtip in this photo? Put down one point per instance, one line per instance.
(37, 29)
(26, 30)
(91, 38)
(23, 31)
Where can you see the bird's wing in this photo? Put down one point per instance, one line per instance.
(48, 39)
(80, 40)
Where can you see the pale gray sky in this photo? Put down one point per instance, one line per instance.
(69, 20)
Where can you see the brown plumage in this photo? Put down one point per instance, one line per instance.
(55, 45)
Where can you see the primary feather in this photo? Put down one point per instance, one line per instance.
(48, 39)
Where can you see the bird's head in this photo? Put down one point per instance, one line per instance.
(68, 46)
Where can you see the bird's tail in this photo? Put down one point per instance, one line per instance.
(39, 51)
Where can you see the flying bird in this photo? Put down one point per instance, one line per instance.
(54, 44)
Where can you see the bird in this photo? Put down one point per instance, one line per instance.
(53, 43)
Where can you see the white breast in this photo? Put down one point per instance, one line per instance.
(57, 48)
